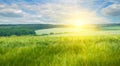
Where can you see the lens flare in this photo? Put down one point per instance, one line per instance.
(79, 24)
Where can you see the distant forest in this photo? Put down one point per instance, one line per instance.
(23, 29)
(29, 29)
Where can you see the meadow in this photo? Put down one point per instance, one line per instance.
(57, 45)
(74, 32)
(96, 50)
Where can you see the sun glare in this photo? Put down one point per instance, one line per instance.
(82, 20)
(78, 24)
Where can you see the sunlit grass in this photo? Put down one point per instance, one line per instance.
(60, 51)
(75, 29)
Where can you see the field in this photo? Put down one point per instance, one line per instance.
(48, 45)
(73, 32)
(102, 50)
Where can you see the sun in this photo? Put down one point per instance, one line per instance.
(84, 26)
(78, 24)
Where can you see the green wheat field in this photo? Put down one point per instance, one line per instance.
(102, 50)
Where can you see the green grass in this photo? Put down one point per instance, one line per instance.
(95, 50)
(112, 30)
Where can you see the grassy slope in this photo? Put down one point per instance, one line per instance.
(60, 51)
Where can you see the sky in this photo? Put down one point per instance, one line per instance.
(59, 11)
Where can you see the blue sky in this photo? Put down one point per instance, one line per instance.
(59, 11)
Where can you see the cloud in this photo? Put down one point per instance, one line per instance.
(114, 1)
(14, 14)
(10, 14)
(10, 11)
(56, 11)
(112, 10)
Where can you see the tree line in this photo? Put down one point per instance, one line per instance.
(15, 31)
(23, 29)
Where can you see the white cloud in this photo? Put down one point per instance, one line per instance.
(10, 11)
(114, 1)
(112, 10)
(47, 13)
